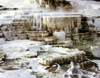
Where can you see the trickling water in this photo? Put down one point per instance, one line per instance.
(37, 21)
(40, 23)
(35, 2)
(33, 21)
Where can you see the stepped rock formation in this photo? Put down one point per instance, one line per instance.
(49, 39)
(66, 23)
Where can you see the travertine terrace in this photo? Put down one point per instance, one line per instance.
(49, 39)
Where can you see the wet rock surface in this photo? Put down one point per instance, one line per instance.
(65, 61)
(38, 44)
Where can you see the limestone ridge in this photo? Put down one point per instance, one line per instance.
(43, 25)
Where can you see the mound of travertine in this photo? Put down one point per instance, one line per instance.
(34, 35)
(60, 56)
(12, 31)
(67, 23)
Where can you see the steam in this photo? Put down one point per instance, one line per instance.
(79, 6)
(88, 7)
(17, 3)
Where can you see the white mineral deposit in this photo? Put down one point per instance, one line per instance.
(49, 39)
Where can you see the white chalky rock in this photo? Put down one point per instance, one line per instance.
(58, 68)
(74, 69)
(20, 46)
(41, 69)
(34, 47)
(18, 74)
(13, 34)
(95, 51)
(2, 41)
(46, 47)
(9, 27)
(7, 35)
(69, 43)
(3, 29)
(60, 35)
